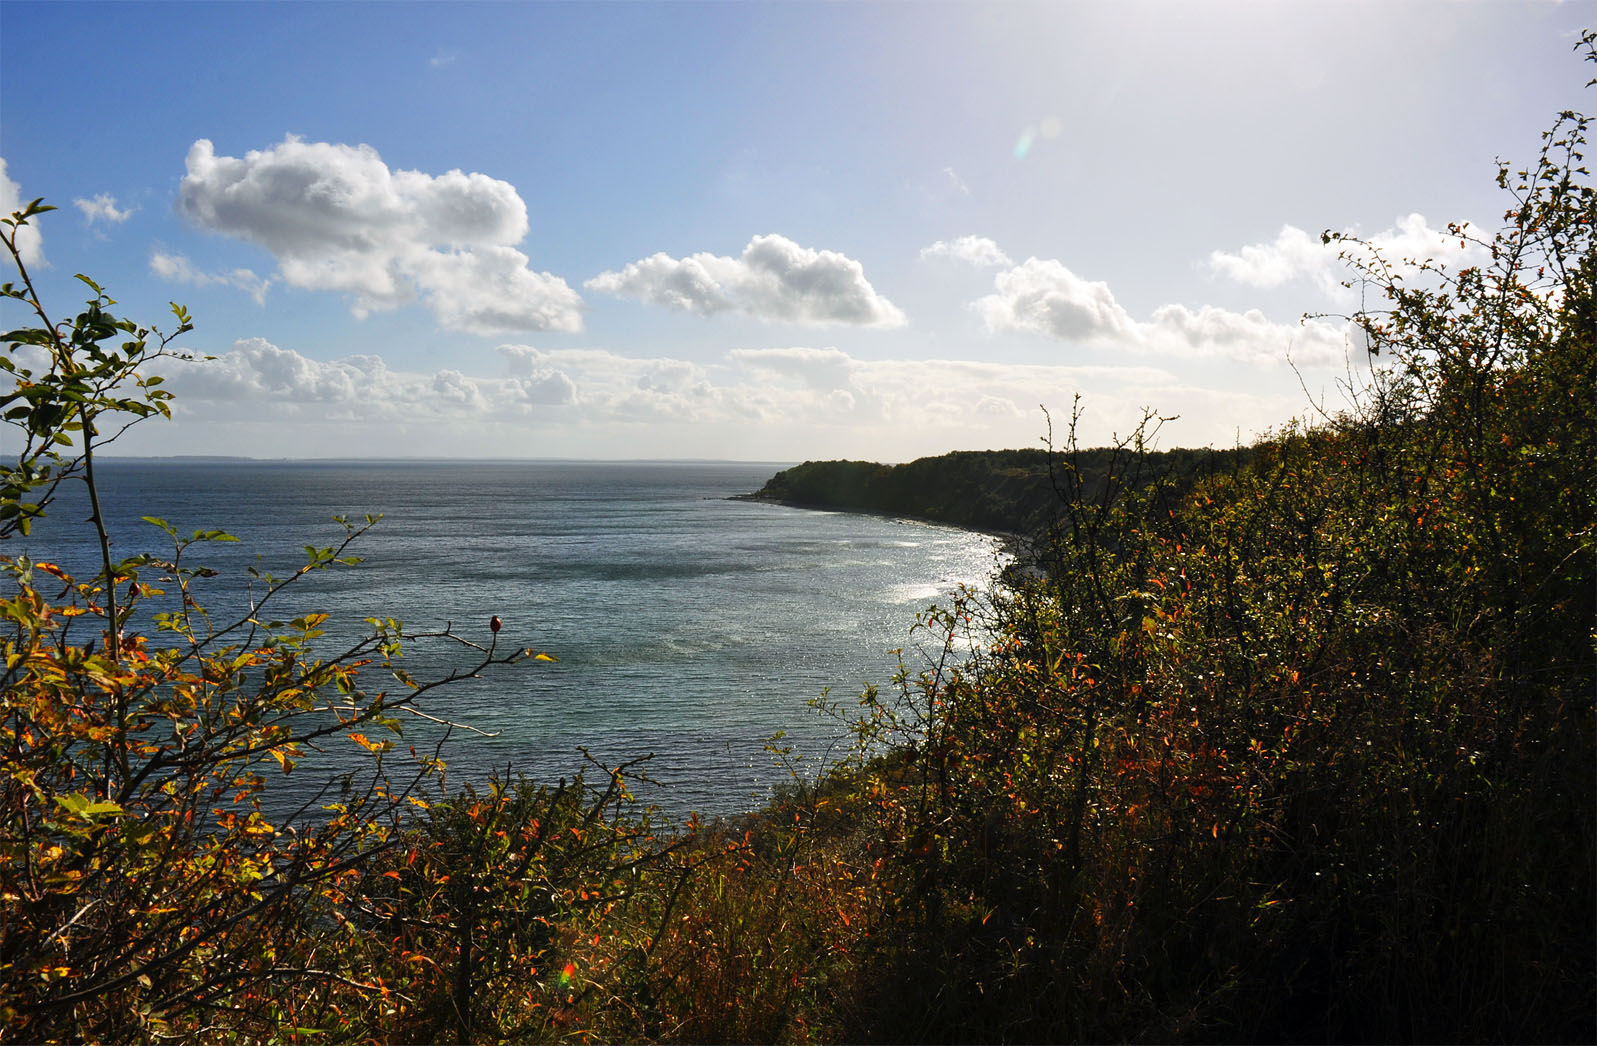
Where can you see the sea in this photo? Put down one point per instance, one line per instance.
(692, 629)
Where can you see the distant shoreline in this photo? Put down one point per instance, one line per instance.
(238, 459)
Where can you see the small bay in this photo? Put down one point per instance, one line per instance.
(688, 626)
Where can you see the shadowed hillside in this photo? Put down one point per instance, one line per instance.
(1010, 491)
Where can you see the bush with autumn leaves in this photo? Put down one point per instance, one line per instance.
(1304, 751)
(1308, 752)
(149, 889)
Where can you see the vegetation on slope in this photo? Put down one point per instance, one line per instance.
(1303, 752)
(1008, 491)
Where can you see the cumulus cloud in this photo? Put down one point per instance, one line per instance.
(1249, 337)
(774, 279)
(535, 379)
(102, 208)
(30, 245)
(490, 290)
(256, 379)
(997, 405)
(255, 369)
(977, 250)
(337, 218)
(550, 388)
(1042, 296)
(456, 391)
(1295, 254)
(608, 387)
(1414, 237)
(178, 269)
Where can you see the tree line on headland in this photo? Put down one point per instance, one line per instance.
(1294, 742)
(1005, 491)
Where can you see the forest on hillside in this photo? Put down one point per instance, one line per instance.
(1017, 492)
(1300, 748)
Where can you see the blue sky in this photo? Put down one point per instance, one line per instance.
(753, 231)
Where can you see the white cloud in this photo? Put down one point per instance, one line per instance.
(956, 395)
(956, 181)
(1295, 254)
(255, 369)
(997, 405)
(30, 245)
(102, 208)
(1248, 337)
(1414, 237)
(536, 382)
(490, 290)
(752, 390)
(691, 284)
(178, 269)
(775, 279)
(1044, 297)
(547, 388)
(977, 250)
(336, 218)
(456, 391)
(754, 402)
(257, 380)
(609, 388)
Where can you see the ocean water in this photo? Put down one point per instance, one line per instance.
(689, 627)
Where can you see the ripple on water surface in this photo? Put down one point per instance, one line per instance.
(689, 626)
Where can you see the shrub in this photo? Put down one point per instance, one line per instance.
(1305, 752)
(146, 892)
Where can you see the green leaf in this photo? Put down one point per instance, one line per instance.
(79, 805)
(29, 336)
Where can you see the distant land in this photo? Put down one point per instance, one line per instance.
(245, 459)
(1012, 492)
(189, 459)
